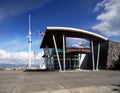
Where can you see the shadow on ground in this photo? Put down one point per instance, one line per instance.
(117, 87)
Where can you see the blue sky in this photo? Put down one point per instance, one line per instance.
(99, 16)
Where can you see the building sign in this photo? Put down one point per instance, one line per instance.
(82, 50)
(77, 45)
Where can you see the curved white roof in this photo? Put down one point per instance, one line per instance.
(68, 32)
(68, 29)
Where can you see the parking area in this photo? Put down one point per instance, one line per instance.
(60, 82)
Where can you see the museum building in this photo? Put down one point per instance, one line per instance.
(68, 48)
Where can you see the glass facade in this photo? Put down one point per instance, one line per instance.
(71, 60)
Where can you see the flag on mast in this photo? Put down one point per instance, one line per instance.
(41, 33)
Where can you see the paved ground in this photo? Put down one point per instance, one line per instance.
(60, 82)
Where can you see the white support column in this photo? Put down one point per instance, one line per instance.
(98, 56)
(64, 52)
(93, 62)
(79, 57)
(57, 52)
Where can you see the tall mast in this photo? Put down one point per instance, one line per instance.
(30, 42)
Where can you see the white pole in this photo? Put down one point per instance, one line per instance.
(30, 42)
(79, 57)
(57, 53)
(98, 56)
(92, 55)
(64, 51)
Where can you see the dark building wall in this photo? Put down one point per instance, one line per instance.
(113, 54)
(102, 56)
(109, 54)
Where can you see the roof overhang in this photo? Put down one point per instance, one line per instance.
(58, 32)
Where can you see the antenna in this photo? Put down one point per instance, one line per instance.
(30, 42)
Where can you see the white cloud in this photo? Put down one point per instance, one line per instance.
(18, 57)
(16, 44)
(10, 8)
(12, 42)
(110, 17)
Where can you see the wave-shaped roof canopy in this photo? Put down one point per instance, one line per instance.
(58, 32)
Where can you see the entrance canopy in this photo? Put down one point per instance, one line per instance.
(58, 32)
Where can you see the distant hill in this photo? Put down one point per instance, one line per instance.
(12, 65)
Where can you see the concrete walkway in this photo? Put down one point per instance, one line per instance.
(90, 89)
(59, 82)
